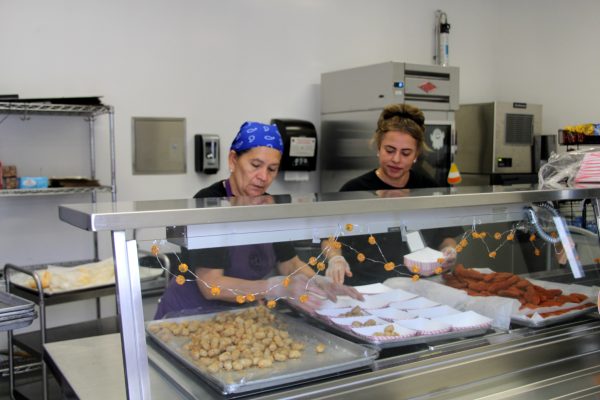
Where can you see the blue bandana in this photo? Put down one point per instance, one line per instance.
(255, 134)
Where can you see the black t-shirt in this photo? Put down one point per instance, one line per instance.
(390, 246)
(370, 181)
(218, 257)
(217, 189)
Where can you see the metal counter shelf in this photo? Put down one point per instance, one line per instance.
(564, 357)
(53, 191)
(33, 342)
(591, 277)
(152, 287)
(30, 341)
(226, 224)
(549, 362)
(149, 287)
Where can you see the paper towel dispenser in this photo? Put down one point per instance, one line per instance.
(300, 144)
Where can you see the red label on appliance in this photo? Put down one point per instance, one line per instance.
(427, 87)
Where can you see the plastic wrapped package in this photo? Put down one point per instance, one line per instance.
(561, 169)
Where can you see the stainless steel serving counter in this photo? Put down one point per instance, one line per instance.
(147, 214)
(520, 364)
(523, 363)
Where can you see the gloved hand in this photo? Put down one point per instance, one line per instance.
(338, 269)
(334, 289)
(292, 287)
(449, 257)
(561, 254)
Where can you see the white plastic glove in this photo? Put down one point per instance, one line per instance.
(297, 285)
(334, 289)
(561, 254)
(449, 254)
(337, 269)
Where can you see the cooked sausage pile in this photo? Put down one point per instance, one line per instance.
(507, 284)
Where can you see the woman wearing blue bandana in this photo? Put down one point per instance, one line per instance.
(253, 159)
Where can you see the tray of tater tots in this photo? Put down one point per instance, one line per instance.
(537, 303)
(255, 348)
(397, 317)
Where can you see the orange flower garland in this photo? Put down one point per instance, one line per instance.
(183, 268)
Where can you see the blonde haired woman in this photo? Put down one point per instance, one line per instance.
(399, 139)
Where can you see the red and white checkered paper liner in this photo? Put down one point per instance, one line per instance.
(373, 288)
(368, 332)
(337, 312)
(437, 311)
(464, 321)
(393, 314)
(425, 327)
(382, 300)
(426, 260)
(342, 302)
(347, 321)
(414, 304)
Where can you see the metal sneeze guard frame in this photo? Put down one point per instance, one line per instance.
(329, 208)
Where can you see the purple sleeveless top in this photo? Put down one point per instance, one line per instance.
(252, 262)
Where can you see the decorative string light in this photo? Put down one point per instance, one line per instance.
(492, 243)
(242, 298)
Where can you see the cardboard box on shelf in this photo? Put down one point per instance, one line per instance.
(33, 182)
(11, 183)
(9, 171)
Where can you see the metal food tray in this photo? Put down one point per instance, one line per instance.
(566, 288)
(528, 322)
(15, 313)
(339, 355)
(12, 304)
(19, 279)
(519, 320)
(386, 344)
(18, 315)
(17, 323)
